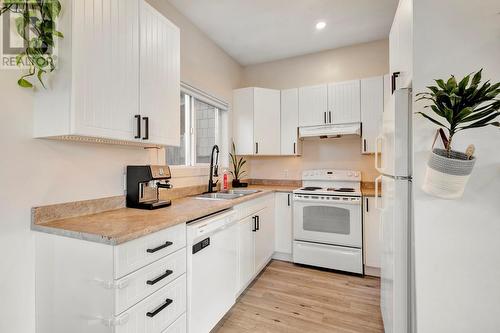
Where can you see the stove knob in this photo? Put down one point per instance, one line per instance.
(357, 174)
(349, 174)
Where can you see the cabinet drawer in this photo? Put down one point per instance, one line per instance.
(149, 279)
(157, 312)
(253, 206)
(179, 326)
(140, 252)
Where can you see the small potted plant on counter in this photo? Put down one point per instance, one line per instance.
(238, 171)
(457, 106)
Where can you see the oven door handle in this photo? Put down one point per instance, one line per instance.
(328, 203)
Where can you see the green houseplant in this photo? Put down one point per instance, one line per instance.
(456, 107)
(35, 22)
(237, 164)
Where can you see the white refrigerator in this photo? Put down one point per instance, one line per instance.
(393, 160)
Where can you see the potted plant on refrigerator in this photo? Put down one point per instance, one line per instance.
(238, 171)
(457, 106)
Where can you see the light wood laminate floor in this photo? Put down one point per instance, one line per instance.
(295, 299)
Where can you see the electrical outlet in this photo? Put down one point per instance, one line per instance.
(285, 173)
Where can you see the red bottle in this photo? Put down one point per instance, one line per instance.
(225, 181)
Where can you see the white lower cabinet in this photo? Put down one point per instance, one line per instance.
(256, 238)
(372, 242)
(179, 326)
(284, 225)
(157, 312)
(135, 287)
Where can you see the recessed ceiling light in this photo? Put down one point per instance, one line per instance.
(320, 25)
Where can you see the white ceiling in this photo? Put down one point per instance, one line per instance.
(256, 31)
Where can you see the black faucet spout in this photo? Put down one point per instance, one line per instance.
(213, 169)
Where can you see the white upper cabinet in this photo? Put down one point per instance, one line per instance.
(98, 90)
(159, 77)
(401, 45)
(372, 108)
(313, 105)
(256, 121)
(289, 122)
(344, 102)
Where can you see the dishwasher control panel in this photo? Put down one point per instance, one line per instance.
(201, 245)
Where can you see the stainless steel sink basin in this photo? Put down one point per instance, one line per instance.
(242, 192)
(225, 195)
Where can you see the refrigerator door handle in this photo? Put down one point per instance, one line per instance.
(377, 152)
(377, 181)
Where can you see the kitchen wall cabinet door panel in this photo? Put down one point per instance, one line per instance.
(264, 236)
(159, 77)
(283, 221)
(401, 44)
(313, 105)
(105, 57)
(372, 108)
(256, 121)
(247, 252)
(289, 122)
(267, 129)
(372, 242)
(344, 101)
(243, 105)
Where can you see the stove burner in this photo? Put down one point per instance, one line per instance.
(342, 189)
(311, 188)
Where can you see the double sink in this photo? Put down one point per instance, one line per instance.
(226, 195)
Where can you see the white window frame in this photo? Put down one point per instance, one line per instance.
(190, 94)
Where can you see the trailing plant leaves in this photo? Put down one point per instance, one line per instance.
(24, 83)
(39, 18)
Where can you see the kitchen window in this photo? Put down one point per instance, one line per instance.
(202, 119)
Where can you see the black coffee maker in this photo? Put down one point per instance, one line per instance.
(144, 183)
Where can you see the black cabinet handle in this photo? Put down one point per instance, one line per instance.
(367, 207)
(364, 145)
(330, 116)
(151, 314)
(256, 148)
(254, 219)
(138, 118)
(324, 116)
(258, 222)
(395, 75)
(294, 148)
(146, 128)
(289, 200)
(161, 247)
(159, 278)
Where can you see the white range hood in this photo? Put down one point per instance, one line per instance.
(329, 131)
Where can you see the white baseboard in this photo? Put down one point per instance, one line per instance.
(372, 271)
(283, 256)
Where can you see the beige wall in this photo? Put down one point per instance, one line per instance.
(347, 63)
(38, 172)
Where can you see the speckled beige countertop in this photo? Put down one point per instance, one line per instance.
(120, 225)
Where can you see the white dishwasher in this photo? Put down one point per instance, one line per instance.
(212, 270)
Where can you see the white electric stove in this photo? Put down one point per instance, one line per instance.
(327, 216)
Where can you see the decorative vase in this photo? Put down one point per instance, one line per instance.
(236, 183)
(446, 177)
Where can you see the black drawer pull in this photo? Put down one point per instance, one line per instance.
(161, 247)
(254, 219)
(151, 314)
(138, 119)
(159, 278)
(258, 223)
(146, 128)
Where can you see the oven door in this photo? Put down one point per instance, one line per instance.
(328, 222)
